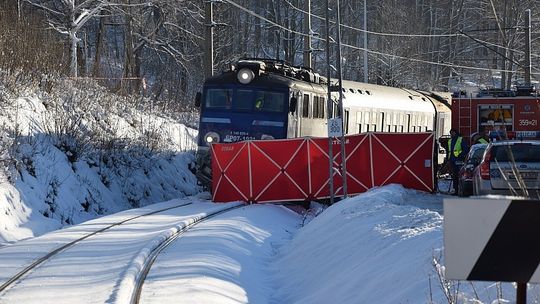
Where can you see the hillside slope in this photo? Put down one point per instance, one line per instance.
(71, 151)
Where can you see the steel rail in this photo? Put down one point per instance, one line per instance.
(136, 295)
(46, 257)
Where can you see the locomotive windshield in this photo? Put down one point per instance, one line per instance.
(219, 98)
(245, 100)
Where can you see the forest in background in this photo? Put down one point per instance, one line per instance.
(155, 48)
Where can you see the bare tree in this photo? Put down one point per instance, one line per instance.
(67, 17)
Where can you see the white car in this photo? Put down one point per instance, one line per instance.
(509, 168)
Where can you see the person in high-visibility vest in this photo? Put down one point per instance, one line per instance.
(455, 154)
(479, 138)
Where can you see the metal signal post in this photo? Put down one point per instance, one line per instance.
(330, 103)
(342, 112)
(209, 37)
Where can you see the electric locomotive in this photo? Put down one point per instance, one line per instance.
(260, 99)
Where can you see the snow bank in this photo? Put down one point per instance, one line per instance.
(383, 246)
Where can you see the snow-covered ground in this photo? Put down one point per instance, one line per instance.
(383, 246)
(76, 152)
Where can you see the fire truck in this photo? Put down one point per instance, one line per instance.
(500, 114)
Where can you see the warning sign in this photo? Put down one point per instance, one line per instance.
(492, 240)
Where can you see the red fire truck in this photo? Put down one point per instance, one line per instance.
(506, 114)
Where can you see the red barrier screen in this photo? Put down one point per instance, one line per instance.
(298, 169)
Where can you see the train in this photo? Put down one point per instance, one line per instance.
(264, 99)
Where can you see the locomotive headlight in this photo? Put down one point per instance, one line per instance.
(267, 137)
(211, 138)
(245, 76)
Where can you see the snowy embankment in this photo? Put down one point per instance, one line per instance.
(383, 246)
(72, 152)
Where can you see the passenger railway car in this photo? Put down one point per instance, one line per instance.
(514, 114)
(266, 99)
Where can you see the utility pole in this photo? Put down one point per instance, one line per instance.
(340, 75)
(527, 64)
(330, 103)
(366, 74)
(209, 38)
(307, 39)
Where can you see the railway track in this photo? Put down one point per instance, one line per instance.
(139, 282)
(36, 263)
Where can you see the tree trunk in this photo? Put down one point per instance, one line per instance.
(99, 46)
(74, 40)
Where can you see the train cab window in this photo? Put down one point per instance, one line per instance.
(305, 106)
(218, 98)
(269, 101)
(243, 100)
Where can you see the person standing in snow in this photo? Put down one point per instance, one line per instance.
(455, 154)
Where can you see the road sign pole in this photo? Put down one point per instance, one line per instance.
(521, 293)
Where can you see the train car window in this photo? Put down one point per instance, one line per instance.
(337, 110)
(440, 127)
(346, 122)
(315, 106)
(218, 98)
(269, 101)
(321, 107)
(243, 100)
(359, 121)
(305, 106)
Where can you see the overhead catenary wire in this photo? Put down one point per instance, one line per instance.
(409, 35)
(250, 12)
(372, 32)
